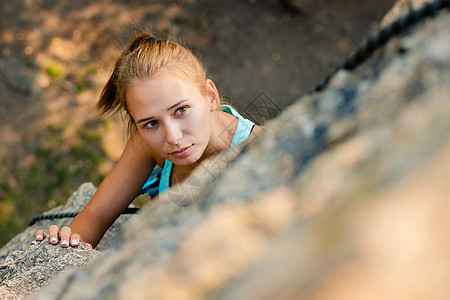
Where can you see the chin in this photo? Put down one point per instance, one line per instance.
(192, 159)
(182, 162)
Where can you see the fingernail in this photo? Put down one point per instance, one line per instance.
(64, 243)
(74, 242)
(39, 237)
(53, 240)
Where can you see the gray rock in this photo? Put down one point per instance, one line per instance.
(401, 8)
(74, 204)
(26, 265)
(345, 195)
(24, 272)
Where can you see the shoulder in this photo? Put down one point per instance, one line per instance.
(138, 147)
(142, 151)
(256, 130)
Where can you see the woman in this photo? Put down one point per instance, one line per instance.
(175, 120)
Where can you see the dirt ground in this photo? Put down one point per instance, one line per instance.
(55, 56)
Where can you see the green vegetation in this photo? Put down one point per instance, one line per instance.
(54, 70)
(59, 165)
(84, 81)
(62, 74)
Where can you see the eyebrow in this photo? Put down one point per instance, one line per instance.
(173, 106)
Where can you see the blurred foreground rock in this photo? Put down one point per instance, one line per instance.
(344, 196)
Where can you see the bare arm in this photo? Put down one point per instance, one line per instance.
(113, 196)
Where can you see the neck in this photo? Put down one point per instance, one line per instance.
(222, 133)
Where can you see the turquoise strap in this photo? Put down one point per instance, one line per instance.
(164, 183)
(152, 179)
(243, 129)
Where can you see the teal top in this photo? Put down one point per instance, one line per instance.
(159, 179)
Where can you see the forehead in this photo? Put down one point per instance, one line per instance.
(159, 92)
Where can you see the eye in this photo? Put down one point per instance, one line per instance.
(181, 110)
(151, 124)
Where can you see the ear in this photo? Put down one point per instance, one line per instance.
(212, 94)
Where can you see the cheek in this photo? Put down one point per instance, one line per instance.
(200, 125)
(153, 140)
(204, 126)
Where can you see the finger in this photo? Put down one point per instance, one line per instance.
(40, 235)
(65, 235)
(53, 234)
(75, 239)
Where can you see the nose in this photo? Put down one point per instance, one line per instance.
(173, 133)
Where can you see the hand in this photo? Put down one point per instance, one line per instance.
(65, 234)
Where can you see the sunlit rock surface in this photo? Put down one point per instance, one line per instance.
(344, 196)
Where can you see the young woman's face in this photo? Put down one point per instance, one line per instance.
(172, 116)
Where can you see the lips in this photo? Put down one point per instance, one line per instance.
(182, 152)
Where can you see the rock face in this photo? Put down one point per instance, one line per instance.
(344, 196)
(401, 8)
(24, 268)
(74, 204)
(24, 272)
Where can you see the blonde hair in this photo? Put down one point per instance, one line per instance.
(143, 58)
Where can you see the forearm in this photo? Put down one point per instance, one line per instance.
(88, 226)
(112, 197)
(114, 194)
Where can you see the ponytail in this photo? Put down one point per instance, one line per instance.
(109, 101)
